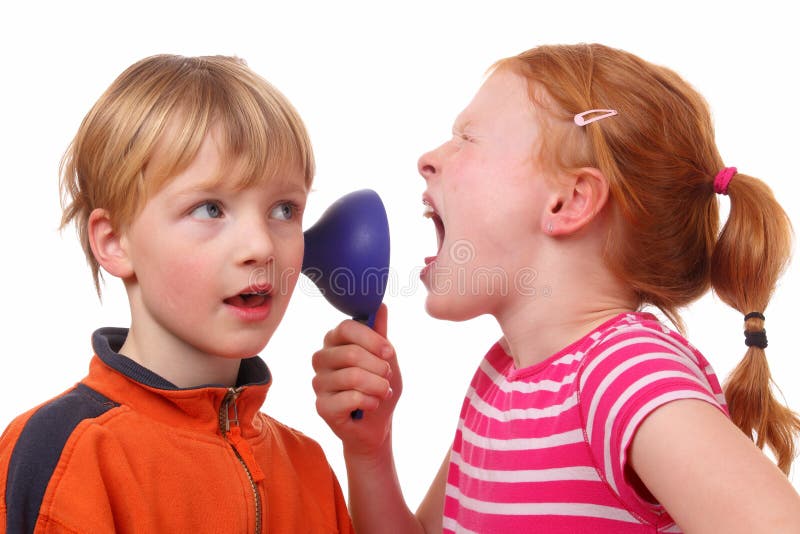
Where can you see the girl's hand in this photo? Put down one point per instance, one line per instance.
(357, 369)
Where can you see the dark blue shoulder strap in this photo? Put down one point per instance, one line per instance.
(38, 450)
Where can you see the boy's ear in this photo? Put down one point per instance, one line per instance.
(576, 201)
(108, 245)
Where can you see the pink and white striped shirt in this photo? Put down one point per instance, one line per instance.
(543, 449)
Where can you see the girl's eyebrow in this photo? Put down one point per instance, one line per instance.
(462, 124)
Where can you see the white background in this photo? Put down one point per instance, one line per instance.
(377, 84)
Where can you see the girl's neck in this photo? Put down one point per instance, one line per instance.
(581, 296)
(531, 339)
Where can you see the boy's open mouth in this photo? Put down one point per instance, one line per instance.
(430, 212)
(248, 300)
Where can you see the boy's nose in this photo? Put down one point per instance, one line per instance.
(256, 246)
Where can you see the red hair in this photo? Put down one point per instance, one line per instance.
(660, 158)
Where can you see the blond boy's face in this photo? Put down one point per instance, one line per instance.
(213, 265)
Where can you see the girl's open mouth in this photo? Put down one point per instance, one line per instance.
(430, 212)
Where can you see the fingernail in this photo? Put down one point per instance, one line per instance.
(387, 352)
(389, 393)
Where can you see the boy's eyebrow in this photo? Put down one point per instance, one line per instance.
(219, 186)
(206, 186)
(293, 188)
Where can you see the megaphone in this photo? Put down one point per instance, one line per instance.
(347, 256)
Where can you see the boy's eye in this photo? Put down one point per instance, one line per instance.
(284, 211)
(208, 210)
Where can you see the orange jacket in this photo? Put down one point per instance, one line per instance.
(126, 451)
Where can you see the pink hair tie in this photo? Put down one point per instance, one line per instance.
(722, 180)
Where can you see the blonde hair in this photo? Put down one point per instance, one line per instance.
(660, 158)
(150, 123)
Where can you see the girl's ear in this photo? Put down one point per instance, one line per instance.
(108, 245)
(576, 202)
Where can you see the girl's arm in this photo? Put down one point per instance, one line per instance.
(376, 500)
(357, 368)
(431, 509)
(708, 475)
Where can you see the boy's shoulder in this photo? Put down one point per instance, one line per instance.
(42, 427)
(291, 439)
(32, 445)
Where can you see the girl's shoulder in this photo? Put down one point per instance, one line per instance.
(637, 334)
(636, 358)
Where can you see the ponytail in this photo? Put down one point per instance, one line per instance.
(751, 253)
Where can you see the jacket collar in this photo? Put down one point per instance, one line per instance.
(130, 384)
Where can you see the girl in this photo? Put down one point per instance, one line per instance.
(596, 174)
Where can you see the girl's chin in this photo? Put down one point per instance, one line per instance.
(446, 308)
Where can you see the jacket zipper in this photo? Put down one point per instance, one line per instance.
(225, 425)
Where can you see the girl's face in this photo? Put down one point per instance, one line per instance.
(486, 193)
(214, 265)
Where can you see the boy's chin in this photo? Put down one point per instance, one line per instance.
(241, 348)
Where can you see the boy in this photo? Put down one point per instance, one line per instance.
(187, 180)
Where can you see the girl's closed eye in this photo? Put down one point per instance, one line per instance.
(210, 209)
(461, 136)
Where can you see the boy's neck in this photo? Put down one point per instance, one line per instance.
(180, 364)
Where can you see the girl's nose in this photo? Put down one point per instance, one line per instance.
(427, 165)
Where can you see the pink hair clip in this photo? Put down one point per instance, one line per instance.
(581, 120)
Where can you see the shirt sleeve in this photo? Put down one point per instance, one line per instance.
(628, 375)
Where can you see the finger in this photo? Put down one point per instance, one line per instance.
(338, 407)
(382, 320)
(351, 379)
(351, 332)
(349, 356)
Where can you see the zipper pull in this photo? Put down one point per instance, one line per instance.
(242, 446)
(230, 429)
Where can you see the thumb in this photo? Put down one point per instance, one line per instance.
(381, 320)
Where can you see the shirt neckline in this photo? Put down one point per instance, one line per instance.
(582, 344)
